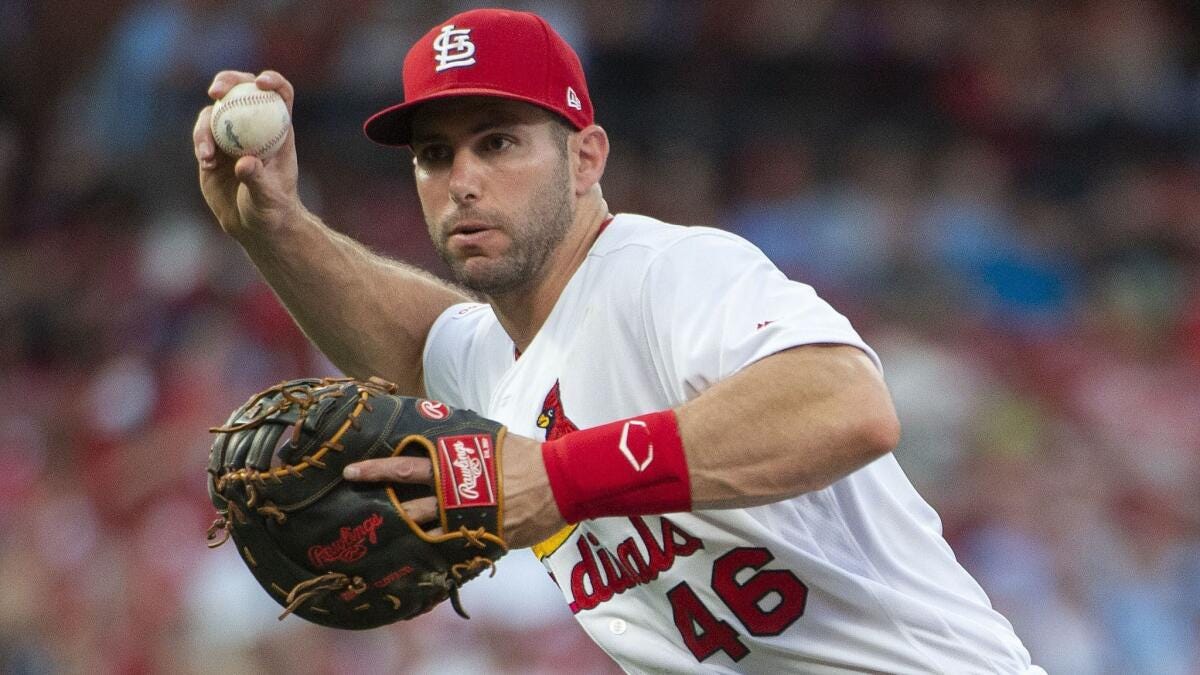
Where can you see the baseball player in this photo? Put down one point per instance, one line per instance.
(699, 448)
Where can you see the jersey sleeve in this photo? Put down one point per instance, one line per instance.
(713, 304)
(452, 352)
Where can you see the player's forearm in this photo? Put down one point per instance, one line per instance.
(368, 314)
(792, 423)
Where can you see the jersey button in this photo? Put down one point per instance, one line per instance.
(617, 626)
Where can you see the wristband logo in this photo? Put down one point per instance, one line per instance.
(635, 444)
(467, 472)
(350, 545)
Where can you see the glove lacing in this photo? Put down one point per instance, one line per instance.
(333, 581)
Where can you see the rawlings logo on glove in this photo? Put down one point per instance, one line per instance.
(466, 456)
(344, 554)
(350, 546)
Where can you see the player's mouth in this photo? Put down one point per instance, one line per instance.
(471, 234)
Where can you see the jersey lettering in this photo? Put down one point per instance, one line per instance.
(628, 567)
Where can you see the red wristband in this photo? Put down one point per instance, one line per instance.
(629, 467)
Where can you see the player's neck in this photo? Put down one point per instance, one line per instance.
(523, 311)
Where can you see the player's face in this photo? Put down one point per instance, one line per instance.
(494, 183)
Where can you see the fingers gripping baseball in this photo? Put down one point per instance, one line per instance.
(269, 80)
(255, 192)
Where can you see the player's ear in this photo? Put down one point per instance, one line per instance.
(589, 147)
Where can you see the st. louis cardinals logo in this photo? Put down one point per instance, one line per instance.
(553, 418)
(453, 48)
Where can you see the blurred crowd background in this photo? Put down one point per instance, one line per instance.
(1003, 196)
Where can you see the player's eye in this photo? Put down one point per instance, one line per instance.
(496, 143)
(434, 153)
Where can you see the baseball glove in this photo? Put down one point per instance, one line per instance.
(346, 554)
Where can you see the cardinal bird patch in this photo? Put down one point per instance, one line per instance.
(556, 423)
(553, 418)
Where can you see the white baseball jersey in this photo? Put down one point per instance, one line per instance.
(854, 577)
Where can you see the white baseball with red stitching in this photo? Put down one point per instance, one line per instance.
(250, 121)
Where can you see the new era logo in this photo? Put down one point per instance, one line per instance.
(453, 48)
(573, 99)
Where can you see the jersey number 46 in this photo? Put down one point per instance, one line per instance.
(705, 634)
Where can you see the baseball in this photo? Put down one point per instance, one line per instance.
(250, 121)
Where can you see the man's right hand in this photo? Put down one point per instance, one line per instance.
(248, 196)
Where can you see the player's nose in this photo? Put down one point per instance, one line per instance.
(465, 178)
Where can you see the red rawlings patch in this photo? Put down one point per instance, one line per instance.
(350, 545)
(468, 471)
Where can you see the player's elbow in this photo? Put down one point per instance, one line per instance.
(869, 430)
(865, 435)
(867, 400)
(879, 434)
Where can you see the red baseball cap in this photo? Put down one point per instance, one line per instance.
(488, 52)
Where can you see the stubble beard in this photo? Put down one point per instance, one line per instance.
(532, 242)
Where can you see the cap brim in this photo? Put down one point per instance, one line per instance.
(392, 126)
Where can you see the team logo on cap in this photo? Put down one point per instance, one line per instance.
(454, 48)
(573, 99)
